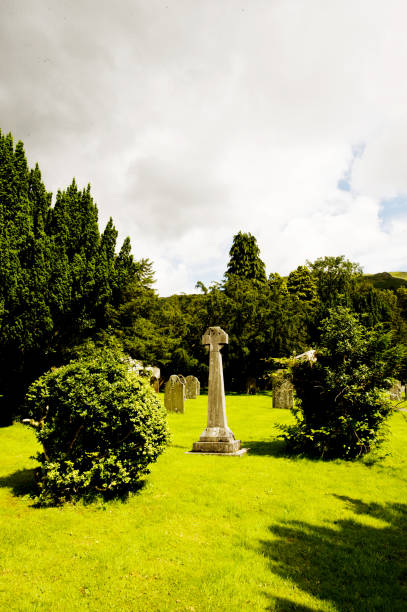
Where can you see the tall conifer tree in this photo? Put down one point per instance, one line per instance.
(245, 259)
(59, 278)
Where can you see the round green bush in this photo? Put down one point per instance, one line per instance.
(342, 404)
(101, 426)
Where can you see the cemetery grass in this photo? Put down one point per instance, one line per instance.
(259, 532)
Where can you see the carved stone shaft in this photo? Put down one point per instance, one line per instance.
(216, 437)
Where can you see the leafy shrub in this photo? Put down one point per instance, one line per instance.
(279, 377)
(100, 425)
(341, 403)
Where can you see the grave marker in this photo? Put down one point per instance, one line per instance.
(395, 391)
(174, 394)
(282, 389)
(216, 437)
(192, 387)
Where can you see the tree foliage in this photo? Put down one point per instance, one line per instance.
(341, 403)
(275, 318)
(100, 425)
(245, 262)
(335, 279)
(60, 279)
(302, 284)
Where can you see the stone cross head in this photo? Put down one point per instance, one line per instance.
(214, 338)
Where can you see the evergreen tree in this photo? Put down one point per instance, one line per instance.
(301, 284)
(60, 280)
(245, 259)
(278, 284)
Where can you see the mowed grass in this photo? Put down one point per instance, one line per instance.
(257, 532)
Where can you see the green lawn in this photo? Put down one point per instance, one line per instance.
(257, 532)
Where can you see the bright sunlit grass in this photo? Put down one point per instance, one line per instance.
(257, 532)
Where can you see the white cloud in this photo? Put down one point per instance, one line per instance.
(194, 120)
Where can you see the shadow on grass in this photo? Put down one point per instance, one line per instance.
(283, 605)
(273, 448)
(21, 482)
(352, 565)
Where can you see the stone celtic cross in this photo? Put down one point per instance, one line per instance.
(215, 339)
(216, 437)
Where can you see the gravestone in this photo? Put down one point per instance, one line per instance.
(174, 394)
(216, 437)
(282, 390)
(192, 387)
(184, 382)
(251, 386)
(395, 391)
(155, 383)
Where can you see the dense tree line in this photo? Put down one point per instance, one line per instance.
(274, 316)
(61, 280)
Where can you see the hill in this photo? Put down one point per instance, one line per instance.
(399, 275)
(388, 280)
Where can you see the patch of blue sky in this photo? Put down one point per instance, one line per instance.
(345, 182)
(392, 209)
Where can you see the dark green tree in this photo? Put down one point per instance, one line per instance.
(341, 403)
(25, 316)
(61, 282)
(245, 259)
(302, 284)
(336, 279)
(262, 320)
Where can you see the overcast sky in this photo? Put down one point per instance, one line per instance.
(194, 119)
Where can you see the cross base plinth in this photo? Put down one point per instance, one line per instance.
(217, 434)
(216, 447)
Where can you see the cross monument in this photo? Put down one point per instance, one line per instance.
(216, 437)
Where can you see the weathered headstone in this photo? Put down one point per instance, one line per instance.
(192, 387)
(395, 391)
(184, 382)
(174, 394)
(251, 386)
(282, 389)
(155, 383)
(216, 437)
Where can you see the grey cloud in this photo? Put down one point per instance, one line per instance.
(171, 198)
(184, 112)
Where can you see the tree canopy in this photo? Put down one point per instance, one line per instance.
(245, 259)
(61, 281)
(341, 403)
